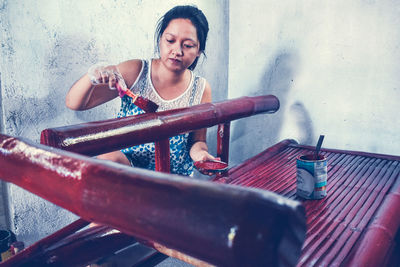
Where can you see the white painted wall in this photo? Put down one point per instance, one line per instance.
(335, 65)
(47, 45)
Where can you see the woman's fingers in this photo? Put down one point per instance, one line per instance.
(120, 80)
(108, 75)
(112, 80)
(104, 76)
(94, 73)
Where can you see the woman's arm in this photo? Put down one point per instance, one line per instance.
(85, 95)
(199, 149)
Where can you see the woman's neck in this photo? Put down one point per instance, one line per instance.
(164, 75)
(167, 83)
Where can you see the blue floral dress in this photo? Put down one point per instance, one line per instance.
(142, 156)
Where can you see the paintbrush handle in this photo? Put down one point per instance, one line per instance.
(318, 147)
(132, 95)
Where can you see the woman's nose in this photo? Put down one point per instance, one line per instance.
(177, 49)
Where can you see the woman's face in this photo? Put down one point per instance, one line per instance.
(179, 45)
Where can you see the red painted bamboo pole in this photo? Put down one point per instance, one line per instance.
(379, 238)
(220, 224)
(77, 249)
(162, 156)
(100, 137)
(40, 246)
(223, 141)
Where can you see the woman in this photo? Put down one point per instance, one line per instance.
(167, 80)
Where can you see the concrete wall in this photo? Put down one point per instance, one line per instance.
(335, 65)
(47, 45)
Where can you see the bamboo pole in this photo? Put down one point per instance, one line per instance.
(100, 137)
(219, 224)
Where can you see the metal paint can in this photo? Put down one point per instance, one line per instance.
(311, 176)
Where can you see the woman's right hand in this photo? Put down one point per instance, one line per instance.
(100, 74)
(93, 88)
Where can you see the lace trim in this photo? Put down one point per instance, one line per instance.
(155, 91)
(191, 96)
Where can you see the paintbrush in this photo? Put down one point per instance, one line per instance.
(318, 147)
(143, 103)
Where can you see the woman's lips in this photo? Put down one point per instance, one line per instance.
(175, 61)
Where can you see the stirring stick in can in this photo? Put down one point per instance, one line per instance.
(318, 147)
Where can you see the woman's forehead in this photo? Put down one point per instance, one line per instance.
(182, 28)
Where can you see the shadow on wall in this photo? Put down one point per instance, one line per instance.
(277, 80)
(303, 123)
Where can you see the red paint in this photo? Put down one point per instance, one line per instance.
(211, 165)
(116, 134)
(78, 249)
(382, 231)
(223, 141)
(356, 223)
(39, 247)
(162, 156)
(191, 216)
(145, 104)
(311, 157)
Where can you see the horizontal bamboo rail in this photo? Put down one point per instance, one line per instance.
(68, 247)
(100, 137)
(220, 224)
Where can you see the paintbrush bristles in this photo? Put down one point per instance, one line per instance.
(145, 104)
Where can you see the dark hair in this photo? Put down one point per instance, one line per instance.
(197, 18)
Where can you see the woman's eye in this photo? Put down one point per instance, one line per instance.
(170, 41)
(189, 46)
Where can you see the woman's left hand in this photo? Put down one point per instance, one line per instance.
(199, 151)
(204, 155)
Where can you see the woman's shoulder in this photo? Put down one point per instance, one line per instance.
(130, 70)
(202, 81)
(202, 87)
(132, 65)
(207, 94)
